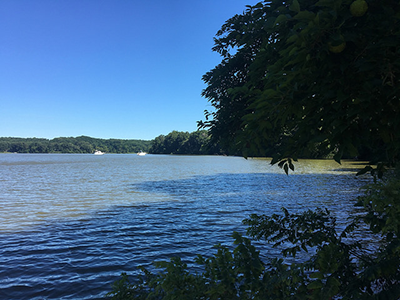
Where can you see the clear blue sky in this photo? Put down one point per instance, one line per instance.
(123, 69)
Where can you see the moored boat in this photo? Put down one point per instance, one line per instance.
(98, 152)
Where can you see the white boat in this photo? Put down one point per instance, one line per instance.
(141, 153)
(97, 152)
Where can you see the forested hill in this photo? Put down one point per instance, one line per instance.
(81, 144)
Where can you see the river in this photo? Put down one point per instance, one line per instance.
(71, 223)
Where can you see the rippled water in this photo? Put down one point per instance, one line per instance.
(70, 224)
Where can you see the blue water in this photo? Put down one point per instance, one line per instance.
(70, 224)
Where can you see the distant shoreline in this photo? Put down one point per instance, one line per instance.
(80, 144)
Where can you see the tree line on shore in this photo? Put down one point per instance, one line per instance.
(201, 142)
(81, 144)
(198, 142)
(176, 142)
(181, 142)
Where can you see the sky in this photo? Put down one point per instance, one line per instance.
(123, 69)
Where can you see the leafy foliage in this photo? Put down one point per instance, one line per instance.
(178, 142)
(382, 204)
(237, 274)
(307, 75)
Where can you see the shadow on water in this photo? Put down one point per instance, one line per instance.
(79, 259)
(257, 192)
(352, 166)
(349, 170)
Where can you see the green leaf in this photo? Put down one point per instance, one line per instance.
(338, 156)
(295, 6)
(293, 38)
(315, 285)
(286, 168)
(291, 166)
(282, 163)
(293, 51)
(305, 15)
(280, 19)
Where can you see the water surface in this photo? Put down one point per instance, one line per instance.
(70, 224)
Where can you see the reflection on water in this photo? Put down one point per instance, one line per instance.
(72, 223)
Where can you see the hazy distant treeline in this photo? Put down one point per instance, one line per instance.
(81, 144)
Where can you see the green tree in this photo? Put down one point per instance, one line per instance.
(19, 146)
(38, 147)
(195, 143)
(178, 142)
(157, 145)
(174, 141)
(4, 146)
(299, 75)
(85, 147)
